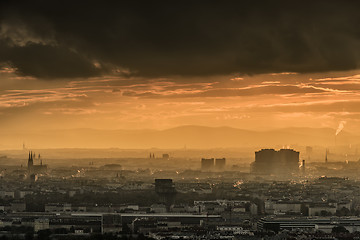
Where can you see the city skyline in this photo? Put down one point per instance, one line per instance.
(179, 120)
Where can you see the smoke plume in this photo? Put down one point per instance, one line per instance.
(340, 127)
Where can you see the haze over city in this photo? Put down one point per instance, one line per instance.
(180, 120)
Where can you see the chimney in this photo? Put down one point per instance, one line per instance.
(303, 166)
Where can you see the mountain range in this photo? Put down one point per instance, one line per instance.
(178, 137)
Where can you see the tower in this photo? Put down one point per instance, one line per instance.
(30, 161)
(326, 156)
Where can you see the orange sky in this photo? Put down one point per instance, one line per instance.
(258, 65)
(265, 101)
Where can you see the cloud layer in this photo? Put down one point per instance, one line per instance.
(67, 39)
(265, 101)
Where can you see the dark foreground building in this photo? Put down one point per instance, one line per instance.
(270, 161)
(165, 189)
(325, 224)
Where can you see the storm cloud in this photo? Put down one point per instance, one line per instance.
(73, 39)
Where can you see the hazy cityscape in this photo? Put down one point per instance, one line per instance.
(167, 120)
(305, 192)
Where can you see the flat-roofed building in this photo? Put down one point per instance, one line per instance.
(207, 164)
(270, 161)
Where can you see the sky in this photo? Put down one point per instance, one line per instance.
(255, 65)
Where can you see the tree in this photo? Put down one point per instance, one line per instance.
(44, 234)
(304, 210)
(343, 212)
(339, 229)
(324, 213)
(126, 229)
(29, 235)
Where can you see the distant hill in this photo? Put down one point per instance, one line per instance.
(189, 136)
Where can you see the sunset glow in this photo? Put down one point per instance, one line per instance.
(93, 86)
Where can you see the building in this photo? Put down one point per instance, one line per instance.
(18, 206)
(58, 207)
(207, 164)
(220, 163)
(41, 224)
(309, 151)
(280, 206)
(325, 224)
(33, 168)
(158, 208)
(270, 161)
(234, 230)
(184, 219)
(322, 209)
(165, 189)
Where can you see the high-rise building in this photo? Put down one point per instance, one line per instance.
(220, 163)
(308, 151)
(165, 189)
(269, 161)
(207, 164)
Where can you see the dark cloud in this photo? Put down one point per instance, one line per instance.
(45, 61)
(63, 39)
